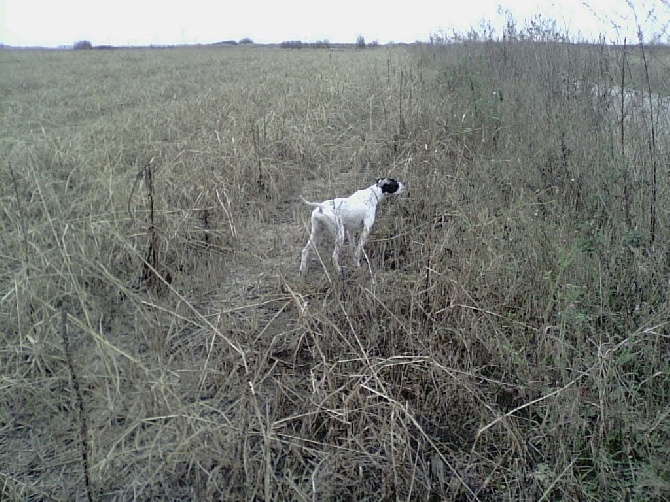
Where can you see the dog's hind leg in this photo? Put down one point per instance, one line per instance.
(339, 242)
(311, 245)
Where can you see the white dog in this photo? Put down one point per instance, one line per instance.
(349, 214)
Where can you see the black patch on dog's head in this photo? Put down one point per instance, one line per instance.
(388, 185)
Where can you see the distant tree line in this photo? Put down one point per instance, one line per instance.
(325, 44)
(85, 45)
(297, 44)
(361, 44)
(287, 44)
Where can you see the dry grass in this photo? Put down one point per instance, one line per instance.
(507, 341)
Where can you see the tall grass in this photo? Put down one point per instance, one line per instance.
(506, 340)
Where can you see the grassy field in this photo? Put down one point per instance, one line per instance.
(507, 338)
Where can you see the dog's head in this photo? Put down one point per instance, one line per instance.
(389, 186)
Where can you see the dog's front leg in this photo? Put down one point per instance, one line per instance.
(339, 242)
(365, 233)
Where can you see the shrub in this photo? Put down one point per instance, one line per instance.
(82, 45)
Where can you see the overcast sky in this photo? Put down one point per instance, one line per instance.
(145, 22)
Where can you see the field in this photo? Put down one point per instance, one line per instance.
(506, 338)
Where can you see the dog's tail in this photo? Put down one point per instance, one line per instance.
(313, 204)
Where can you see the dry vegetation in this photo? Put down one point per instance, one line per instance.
(508, 339)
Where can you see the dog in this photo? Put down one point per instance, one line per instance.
(346, 215)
